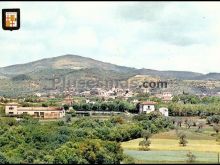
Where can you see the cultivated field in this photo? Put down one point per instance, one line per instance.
(165, 147)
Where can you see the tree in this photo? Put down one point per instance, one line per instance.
(68, 118)
(190, 157)
(76, 107)
(44, 105)
(128, 160)
(179, 122)
(189, 123)
(85, 107)
(200, 126)
(209, 119)
(66, 155)
(216, 128)
(60, 123)
(146, 142)
(66, 107)
(72, 113)
(121, 107)
(104, 106)
(145, 145)
(175, 99)
(216, 119)
(3, 159)
(96, 107)
(182, 139)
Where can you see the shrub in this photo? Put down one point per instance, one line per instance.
(60, 123)
(128, 160)
(146, 142)
(190, 157)
(182, 139)
(68, 118)
(216, 128)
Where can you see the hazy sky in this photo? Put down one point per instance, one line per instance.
(154, 35)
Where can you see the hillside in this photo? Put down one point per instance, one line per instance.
(209, 76)
(170, 74)
(61, 62)
(34, 76)
(75, 62)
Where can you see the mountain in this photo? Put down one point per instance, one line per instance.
(209, 76)
(170, 74)
(35, 76)
(74, 62)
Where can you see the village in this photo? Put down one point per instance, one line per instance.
(13, 108)
(173, 120)
(145, 100)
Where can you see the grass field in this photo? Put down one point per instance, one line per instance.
(165, 147)
(170, 156)
(173, 145)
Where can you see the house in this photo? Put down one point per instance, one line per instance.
(37, 94)
(147, 106)
(164, 111)
(37, 112)
(165, 96)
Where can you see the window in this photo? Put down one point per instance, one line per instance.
(36, 114)
(11, 113)
(42, 114)
(11, 108)
(148, 106)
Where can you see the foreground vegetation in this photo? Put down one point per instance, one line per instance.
(76, 140)
(193, 125)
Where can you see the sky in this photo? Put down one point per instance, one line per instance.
(154, 35)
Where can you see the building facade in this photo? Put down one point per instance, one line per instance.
(37, 112)
(164, 111)
(147, 107)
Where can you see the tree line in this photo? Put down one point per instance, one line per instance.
(118, 106)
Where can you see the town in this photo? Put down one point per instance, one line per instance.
(90, 97)
(176, 119)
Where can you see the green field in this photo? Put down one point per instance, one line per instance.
(165, 147)
(170, 156)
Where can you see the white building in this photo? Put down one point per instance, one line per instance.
(37, 112)
(164, 111)
(38, 94)
(147, 107)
